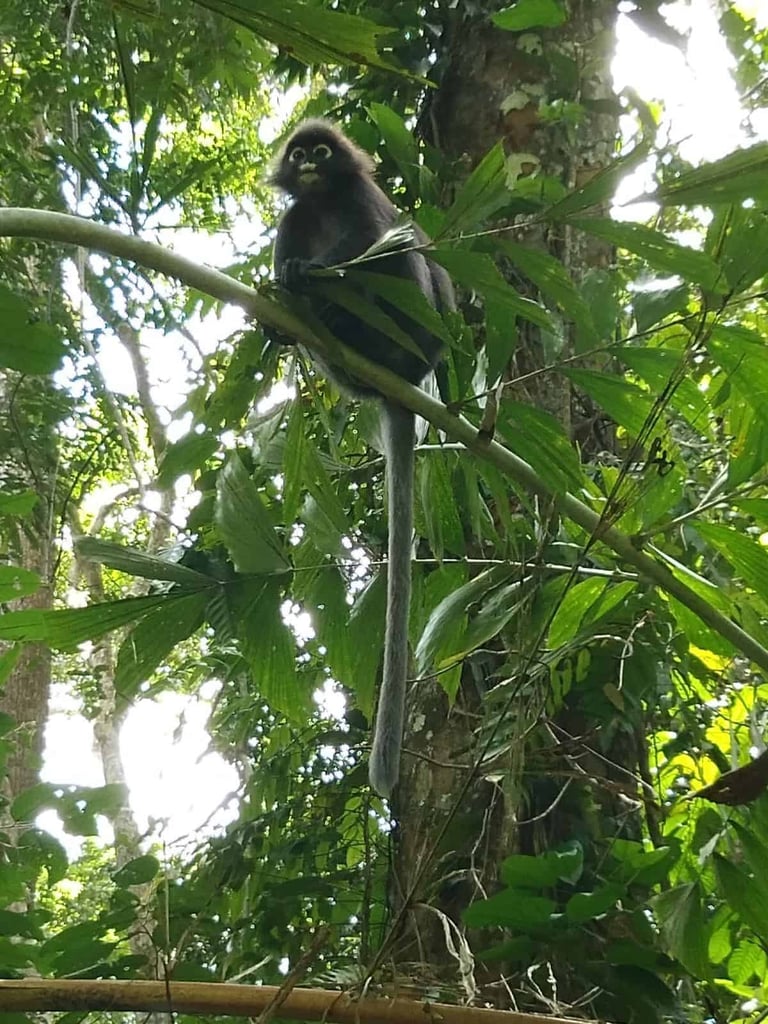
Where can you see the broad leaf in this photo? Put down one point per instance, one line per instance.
(16, 582)
(138, 871)
(482, 194)
(438, 510)
(270, 649)
(406, 296)
(137, 563)
(544, 870)
(64, 629)
(583, 604)
(624, 402)
(477, 271)
(513, 909)
(153, 639)
(441, 641)
(366, 621)
(658, 250)
(552, 279)
(748, 558)
(747, 895)
(586, 906)
(310, 34)
(18, 504)
(682, 918)
(244, 523)
(527, 14)
(537, 437)
(401, 145)
(27, 345)
(601, 188)
(185, 456)
(736, 177)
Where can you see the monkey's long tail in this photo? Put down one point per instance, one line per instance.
(384, 764)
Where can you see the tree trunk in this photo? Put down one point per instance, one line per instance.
(455, 825)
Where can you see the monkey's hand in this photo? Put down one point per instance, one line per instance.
(294, 273)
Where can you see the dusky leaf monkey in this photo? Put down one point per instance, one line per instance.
(338, 212)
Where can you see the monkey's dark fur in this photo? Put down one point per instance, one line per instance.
(338, 212)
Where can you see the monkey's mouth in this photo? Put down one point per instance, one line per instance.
(308, 174)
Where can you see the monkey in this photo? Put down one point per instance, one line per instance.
(337, 212)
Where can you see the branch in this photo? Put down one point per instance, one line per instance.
(21, 222)
(242, 1001)
(60, 227)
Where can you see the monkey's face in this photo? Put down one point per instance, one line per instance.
(315, 160)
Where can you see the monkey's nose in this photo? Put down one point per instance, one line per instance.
(307, 168)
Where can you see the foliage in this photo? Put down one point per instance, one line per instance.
(651, 898)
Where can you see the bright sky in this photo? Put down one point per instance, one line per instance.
(174, 780)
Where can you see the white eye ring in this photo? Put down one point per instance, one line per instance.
(297, 155)
(321, 151)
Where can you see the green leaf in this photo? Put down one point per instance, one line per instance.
(8, 659)
(18, 505)
(312, 35)
(747, 895)
(138, 871)
(27, 345)
(528, 14)
(150, 642)
(754, 849)
(440, 641)
(405, 296)
(327, 602)
(64, 629)
(742, 353)
(747, 962)
(755, 508)
(537, 437)
(322, 512)
(482, 194)
(601, 188)
(657, 250)
(552, 279)
(41, 848)
(138, 563)
(624, 402)
(294, 476)
(187, 455)
(77, 806)
(544, 870)
(584, 604)
(738, 236)
(401, 145)
(748, 558)
(76, 948)
(477, 271)
(363, 307)
(367, 620)
(636, 865)
(270, 649)
(736, 177)
(655, 304)
(680, 914)
(438, 504)
(244, 523)
(511, 908)
(586, 906)
(600, 289)
(16, 582)
(517, 950)
(14, 922)
(657, 367)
